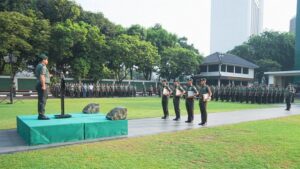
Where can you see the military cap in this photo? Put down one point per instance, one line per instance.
(43, 56)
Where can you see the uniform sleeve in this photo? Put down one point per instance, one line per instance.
(195, 89)
(181, 89)
(43, 70)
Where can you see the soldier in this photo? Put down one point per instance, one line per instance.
(84, 90)
(222, 93)
(288, 96)
(247, 96)
(150, 90)
(134, 91)
(42, 86)
(252, 94)
(205, 94)
(165, 99)
(227, 92)
(191, 93)
(177, 93)
(293, 95)
(144, 90)
(264, 94)
(258, 94)
(212, 88)
(271, 93)
(217, 93)
(243, 94)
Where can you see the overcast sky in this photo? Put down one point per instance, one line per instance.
(189, 18)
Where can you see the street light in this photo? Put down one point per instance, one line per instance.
(10, 59)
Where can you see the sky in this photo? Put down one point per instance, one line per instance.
(185, 18)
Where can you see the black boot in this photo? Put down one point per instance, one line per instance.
(43, 117)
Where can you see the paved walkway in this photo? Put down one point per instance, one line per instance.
(11, 142)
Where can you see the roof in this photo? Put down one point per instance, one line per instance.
(220, 58)
(284, 73)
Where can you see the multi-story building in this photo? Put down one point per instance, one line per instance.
(233, 22)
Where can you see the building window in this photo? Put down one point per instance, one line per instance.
(238, 70)
(223, 68)
(230, 69)
(213, 68)
(245, 71)
(203, 68)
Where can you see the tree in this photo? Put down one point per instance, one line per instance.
(128, 53)
(161, 38)
(106, 27)
(23, 36)
(265, 66)
(58, 10)
(274, 49)
(137, 30)
(177, 62)
(147, 59)
(122, 56)
(75, 45)
(20, 6)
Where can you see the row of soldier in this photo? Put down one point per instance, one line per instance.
(95, 90)
(261, 94)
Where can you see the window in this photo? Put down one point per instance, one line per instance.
(238, 69)
(230, 69)
(203, 68)
(213, 68)
(245, 71)
(223, 68)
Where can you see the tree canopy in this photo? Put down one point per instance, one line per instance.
(271, 51)
(88, 45)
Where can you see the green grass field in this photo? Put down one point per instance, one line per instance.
(262, 144)
(140, 107)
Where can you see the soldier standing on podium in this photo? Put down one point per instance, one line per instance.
(166, 92)
(42, 86)
(177, 93)
(191, 92)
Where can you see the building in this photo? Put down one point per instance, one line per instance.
(281, 78)
(225, 69)
(293, 25)
(233, 22)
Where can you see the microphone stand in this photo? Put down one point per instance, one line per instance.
(62, 98)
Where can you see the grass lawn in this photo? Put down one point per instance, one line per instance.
(261, 144)
(140, 107)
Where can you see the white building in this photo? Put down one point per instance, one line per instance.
(233, 22)
(225, 69)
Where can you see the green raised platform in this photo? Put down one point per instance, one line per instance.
(79, 127)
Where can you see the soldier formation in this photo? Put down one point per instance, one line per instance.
(260, 94)
(83, 90)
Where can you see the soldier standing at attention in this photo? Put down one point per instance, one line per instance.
(43, 81)
(191, 92)
(177, 93)
(289, 91)
(205, 94)
(166, 92)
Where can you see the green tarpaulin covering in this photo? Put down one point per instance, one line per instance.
(79, 127)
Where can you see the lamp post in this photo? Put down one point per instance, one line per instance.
(10, 59)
